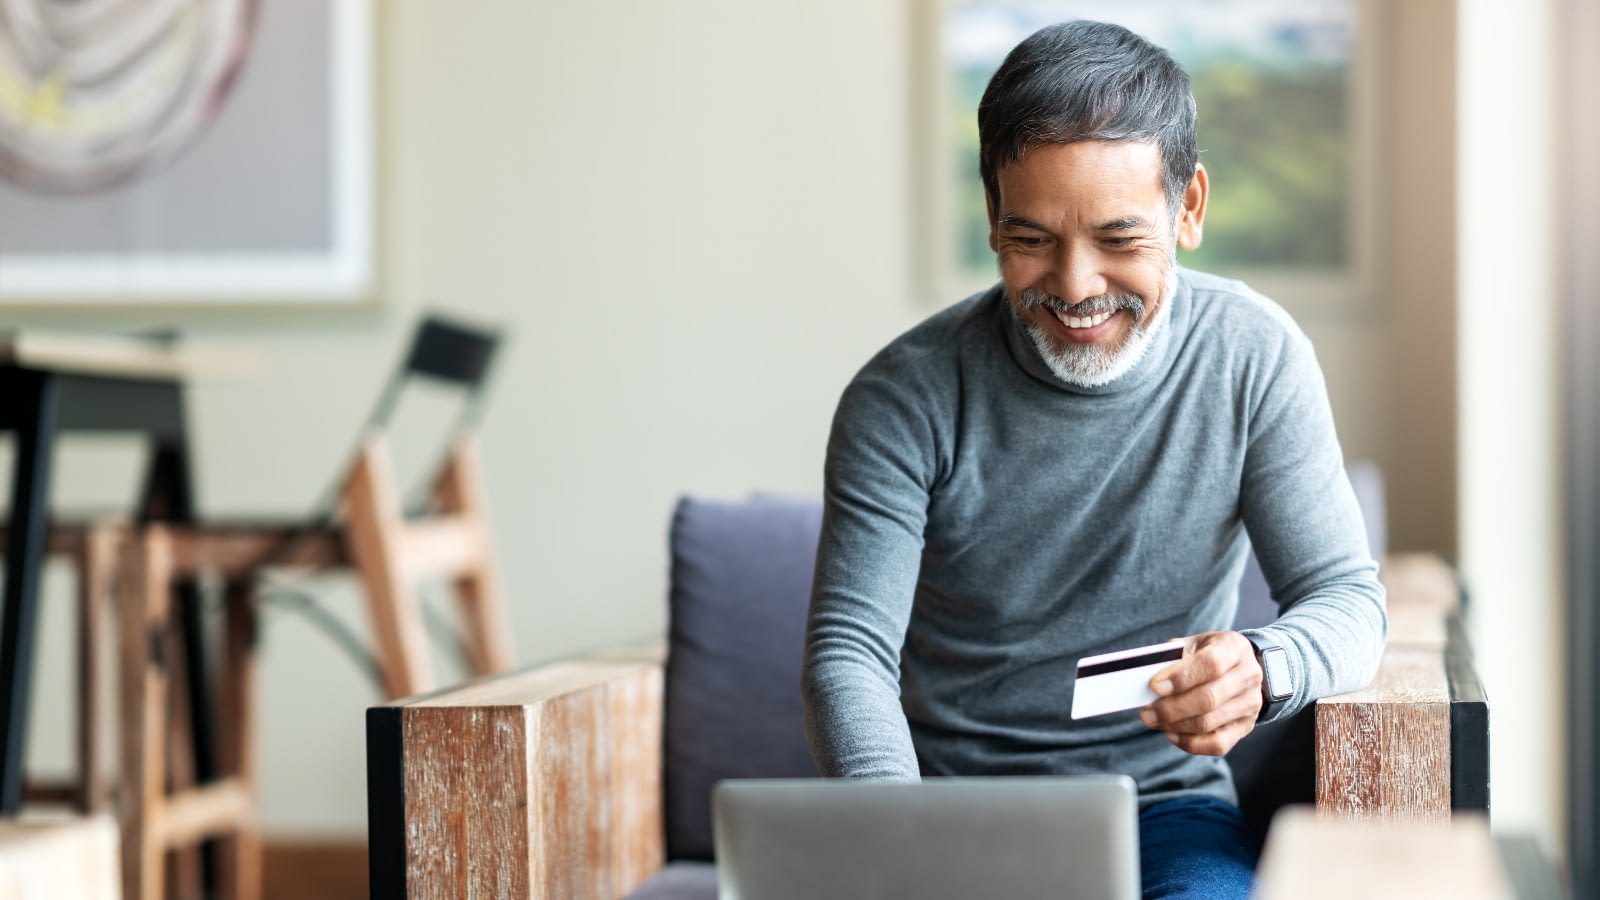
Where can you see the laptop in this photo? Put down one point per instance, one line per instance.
(1014, 837)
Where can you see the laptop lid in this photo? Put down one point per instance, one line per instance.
(944, 837)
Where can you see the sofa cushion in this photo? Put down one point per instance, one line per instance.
(741, 583)
(680, 881)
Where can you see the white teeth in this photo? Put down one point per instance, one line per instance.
(1089, 322)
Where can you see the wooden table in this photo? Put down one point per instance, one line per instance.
(54, 383)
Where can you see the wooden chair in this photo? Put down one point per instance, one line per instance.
(362, 524)
(590, 777)
(178, 790)
(393, 548)
(159, 813)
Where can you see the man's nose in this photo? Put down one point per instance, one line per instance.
(1079, 275)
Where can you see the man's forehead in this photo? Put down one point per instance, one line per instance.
(1121, 171)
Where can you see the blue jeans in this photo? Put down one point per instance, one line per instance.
(1196, 847)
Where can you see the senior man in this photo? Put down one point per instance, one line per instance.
(1076, 461)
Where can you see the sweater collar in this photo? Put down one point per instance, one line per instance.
(1157, 359)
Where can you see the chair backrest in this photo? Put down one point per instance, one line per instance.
(741, 584)
(442, 351)
(395, 544)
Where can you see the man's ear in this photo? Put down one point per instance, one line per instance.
(1192, 212)
(994, 220)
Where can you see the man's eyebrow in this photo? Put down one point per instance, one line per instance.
(1130, 223)
(1012, 220)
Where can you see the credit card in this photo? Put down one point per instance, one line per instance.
(1112, 682)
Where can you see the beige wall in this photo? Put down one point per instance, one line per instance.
(694, 218)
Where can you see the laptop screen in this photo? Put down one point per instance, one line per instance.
(1054, 837)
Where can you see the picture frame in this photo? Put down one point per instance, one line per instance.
(271, 204)
(956, 44)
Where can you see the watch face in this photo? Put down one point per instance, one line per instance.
(92, 93)
(1275, 667)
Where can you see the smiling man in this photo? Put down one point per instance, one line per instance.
(1078, 461)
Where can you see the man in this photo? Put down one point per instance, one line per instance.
(1069, 464)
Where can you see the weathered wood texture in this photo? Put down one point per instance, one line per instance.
(71, 859)
(544, 783)
(1384, 752)
(1454, 860)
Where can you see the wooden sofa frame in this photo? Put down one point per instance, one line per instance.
(547, 782)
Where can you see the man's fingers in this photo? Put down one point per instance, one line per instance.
(1210, 699)
(1241, 706)
(1206, 658)
(1213, 743)
(1237, 688)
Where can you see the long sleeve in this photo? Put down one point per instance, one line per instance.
(877, 480)
(1306, 527)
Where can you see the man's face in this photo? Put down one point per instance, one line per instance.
(1086, 244)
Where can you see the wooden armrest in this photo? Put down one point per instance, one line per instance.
(1412, 745)
(544, 782)
(1457, 859)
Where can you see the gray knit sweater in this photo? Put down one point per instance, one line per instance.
(985, 525)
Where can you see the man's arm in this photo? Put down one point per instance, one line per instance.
(877, 478)
(1306, 528)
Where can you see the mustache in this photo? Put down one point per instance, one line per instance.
(1094, 306)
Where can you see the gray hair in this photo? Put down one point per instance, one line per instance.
(1088, 81)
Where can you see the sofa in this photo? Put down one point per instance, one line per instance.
(591, 777)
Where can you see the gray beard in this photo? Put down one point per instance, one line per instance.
(1089, 365)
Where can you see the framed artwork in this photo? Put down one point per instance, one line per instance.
(1285, 92)
(185, 152)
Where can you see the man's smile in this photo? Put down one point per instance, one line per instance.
(1086, 329)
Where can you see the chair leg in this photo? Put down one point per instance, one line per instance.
(374, 525)
(486, 626)
(97, 562)
(145, 605)
(185, 875)
(242, 859)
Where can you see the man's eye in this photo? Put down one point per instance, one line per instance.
(1026, 240)
(1117, 241)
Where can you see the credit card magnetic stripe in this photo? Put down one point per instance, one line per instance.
(1132, 662)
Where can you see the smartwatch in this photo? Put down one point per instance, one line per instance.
(1277, 685)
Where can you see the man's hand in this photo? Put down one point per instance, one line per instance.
(1210, 698)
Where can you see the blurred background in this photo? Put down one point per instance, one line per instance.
(696, 220)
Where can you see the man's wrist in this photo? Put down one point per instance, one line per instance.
(1277, 685)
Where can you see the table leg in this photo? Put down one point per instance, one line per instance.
(25, 543)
